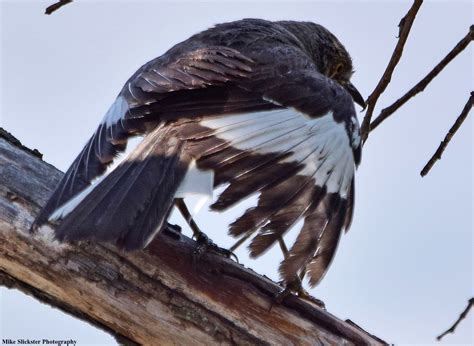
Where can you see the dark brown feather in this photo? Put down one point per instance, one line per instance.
(247, 184)
(350, 207)
(317, 240)
(304, 197)
(327, 245)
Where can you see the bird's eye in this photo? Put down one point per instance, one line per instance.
(337, 71)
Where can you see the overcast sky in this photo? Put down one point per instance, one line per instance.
(404, 272)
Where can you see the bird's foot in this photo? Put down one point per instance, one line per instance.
(173, 231)
(303, 294)
(296, 287)
(205, 244)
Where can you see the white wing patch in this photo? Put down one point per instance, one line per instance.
(196, 182)
(321, 144)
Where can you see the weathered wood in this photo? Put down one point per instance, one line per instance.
(159, 295)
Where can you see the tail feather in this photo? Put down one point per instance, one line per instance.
(132, 203)
(108, 141)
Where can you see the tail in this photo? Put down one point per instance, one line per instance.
(131, 204)
(108, 141)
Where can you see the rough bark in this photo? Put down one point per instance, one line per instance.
(155, 296)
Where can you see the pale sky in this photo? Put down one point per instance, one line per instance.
(404, 271)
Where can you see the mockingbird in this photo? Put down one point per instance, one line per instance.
(262, 107)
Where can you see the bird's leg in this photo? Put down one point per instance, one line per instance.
(183, 209)
(302, 293)
(283, 247)
(293, 286)
(204, 243)
(297, 284)
(238, 243)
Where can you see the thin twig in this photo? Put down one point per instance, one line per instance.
(56, 6)
(463, 315)
(421, 85)
(404, 29)
(452, 131)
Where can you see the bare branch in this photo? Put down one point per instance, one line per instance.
(56, 6)
(404, 30)
(463, 315)
(421, 85)
(452, 131)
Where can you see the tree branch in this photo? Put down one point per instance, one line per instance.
(463, 315)
(56, 6)
(149, 296)
(404, 30)
(13, 283)
(452, 131)
(421, 85)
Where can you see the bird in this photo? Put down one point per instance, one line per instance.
(261, 107)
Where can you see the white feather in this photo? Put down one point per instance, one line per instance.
(69, 206)
(196, 182)
(322, 144)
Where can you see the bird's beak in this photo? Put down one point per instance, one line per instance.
(356, 96)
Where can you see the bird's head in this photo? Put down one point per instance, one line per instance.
(328, 53)
(336, 63)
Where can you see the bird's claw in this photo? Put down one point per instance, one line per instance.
(204, 244)
(303, 294)
(173, 231)
(296, 288)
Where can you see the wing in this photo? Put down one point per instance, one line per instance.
(174, 85)
(301, 160)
